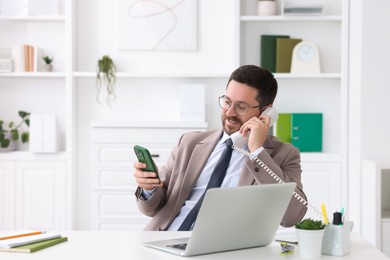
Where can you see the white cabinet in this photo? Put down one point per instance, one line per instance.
(375, 203)
(33, 190)
(113, 185)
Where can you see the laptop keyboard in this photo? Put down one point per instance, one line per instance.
(181, 246)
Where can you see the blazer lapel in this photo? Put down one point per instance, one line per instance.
(197, 162)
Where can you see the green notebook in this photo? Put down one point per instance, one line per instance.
(284, 49)
(306, 131)
(268, 51)
(30, 248)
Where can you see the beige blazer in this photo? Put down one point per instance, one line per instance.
(187, 160)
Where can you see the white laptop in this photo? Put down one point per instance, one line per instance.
(233, 218)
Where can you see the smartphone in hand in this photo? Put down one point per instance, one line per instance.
(144, 156)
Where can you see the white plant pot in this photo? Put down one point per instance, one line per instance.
(266, 8)
(310, 243)
(48, 67)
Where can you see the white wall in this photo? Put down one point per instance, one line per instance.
(146, 99)
(369, 92)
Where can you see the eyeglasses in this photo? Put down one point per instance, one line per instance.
(240, 108)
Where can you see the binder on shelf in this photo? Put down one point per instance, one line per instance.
(306, 131)
(284, 48)
(283, 127)
(268, 51)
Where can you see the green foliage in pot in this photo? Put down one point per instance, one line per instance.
(47, 59)
(11, 131)
(310, 224)
(106, 70)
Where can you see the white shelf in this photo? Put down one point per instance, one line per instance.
(121, 124)
(33, 75)
(280, 18)
(307, 76)
(155, 75)
(37, 18)
(26, 155)
(321, 157)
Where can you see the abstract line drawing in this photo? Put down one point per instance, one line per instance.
(157, 25)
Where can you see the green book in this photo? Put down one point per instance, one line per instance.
(268, 51)
(283, 127)
(30, 248)
(306, 131)
(284, 49)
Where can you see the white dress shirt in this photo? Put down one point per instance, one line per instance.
(231, 178)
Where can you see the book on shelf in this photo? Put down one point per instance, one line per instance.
(25, 58)
(25, 240)
(33, 247)
(284, 49)
(268, 51)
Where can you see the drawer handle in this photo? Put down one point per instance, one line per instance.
(155, 155)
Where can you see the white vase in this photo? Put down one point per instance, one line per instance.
(48, 67)
(266, 7)
(309, 243)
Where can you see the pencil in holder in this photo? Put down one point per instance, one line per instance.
(336, 240)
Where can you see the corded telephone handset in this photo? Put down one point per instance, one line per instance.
(239, 141)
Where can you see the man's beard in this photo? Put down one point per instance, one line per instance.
(234, 119)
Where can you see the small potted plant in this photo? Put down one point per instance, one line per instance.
(10, 133)
(106, 70)
(47, 66)
(310, 233)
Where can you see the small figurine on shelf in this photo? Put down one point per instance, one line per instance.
(48, 66)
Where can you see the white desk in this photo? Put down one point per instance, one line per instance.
(117, 245)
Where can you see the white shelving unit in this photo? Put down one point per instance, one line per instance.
(325, 92)
(38, 180)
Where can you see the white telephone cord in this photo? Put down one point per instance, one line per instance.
(277, 179)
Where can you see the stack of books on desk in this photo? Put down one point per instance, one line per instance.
(28, 241)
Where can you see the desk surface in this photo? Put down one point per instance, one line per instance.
(113, 245)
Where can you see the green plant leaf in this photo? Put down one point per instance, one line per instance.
(23, 114)
(14, 135)
(25, 137)
(310, 224)
(5, 143)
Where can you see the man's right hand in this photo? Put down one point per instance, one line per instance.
(145, 180)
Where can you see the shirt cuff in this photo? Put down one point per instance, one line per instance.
(258, 151)
(147, 194)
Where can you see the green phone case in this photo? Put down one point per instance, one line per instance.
(144, 156)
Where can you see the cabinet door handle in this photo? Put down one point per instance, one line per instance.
(155, 155)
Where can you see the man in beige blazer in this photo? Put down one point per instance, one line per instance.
(184, 177)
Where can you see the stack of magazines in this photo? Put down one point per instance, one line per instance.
(28, 241)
